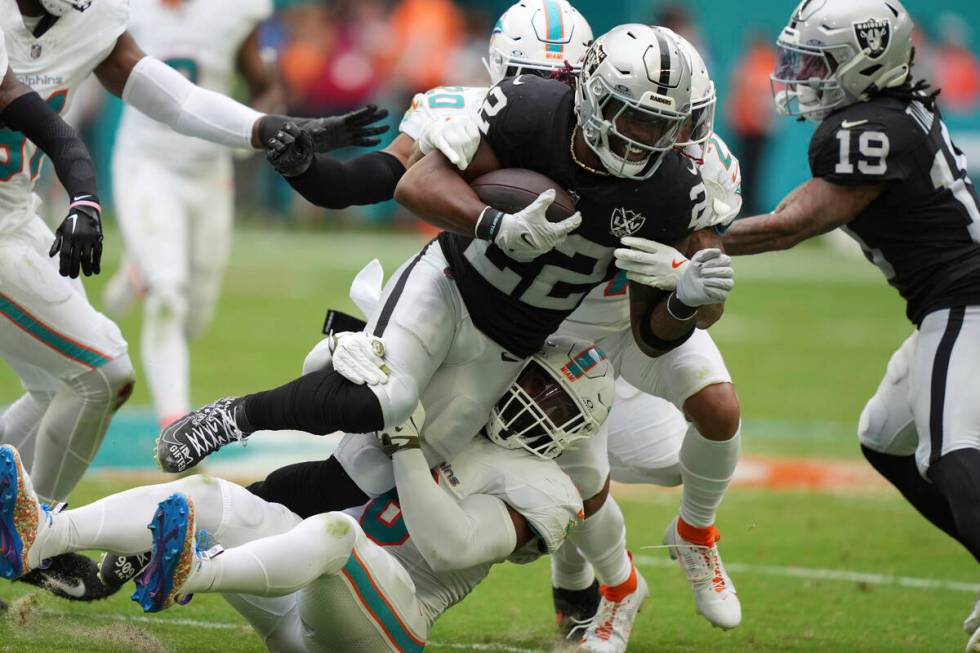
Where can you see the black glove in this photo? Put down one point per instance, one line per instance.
(290, 151)
(331, 133)
(79, 239)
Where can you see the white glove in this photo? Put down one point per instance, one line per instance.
(359, 358)
(404, 436)
(527, 234)
(650, 263)
(457, 137)
(707, 279)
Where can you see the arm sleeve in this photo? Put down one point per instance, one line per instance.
(31, 116)
(450, 535)
(334, 184)
(166, 96)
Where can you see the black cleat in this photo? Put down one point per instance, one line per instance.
(70, 576)
(197, 435)
(116, 570)
(574, 609)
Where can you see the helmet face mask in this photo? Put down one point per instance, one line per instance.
(62, 7)
(562, 395)
(803, 82)
(537, 37)
(630, 108)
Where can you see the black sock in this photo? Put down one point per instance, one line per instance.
(957, 476)
(320, 402)
(902, 472)
(311, 488)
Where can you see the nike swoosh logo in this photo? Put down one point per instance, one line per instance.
(517, 80)
(75, 590)
(527, 241)
(676, 264)
(847, 124)
(74, 221)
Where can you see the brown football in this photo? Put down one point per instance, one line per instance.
(512, 189)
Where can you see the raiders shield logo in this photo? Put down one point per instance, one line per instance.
(873, 35)
(625, 222)
(35, 51)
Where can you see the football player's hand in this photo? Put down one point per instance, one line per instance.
(354, 128)
(457, 137)
(528, 234)
(707, 279)
(290, 151)
(79, 240)
(650, 263)
(404, 436)
(359, 358)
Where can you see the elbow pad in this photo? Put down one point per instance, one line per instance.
(160, 92)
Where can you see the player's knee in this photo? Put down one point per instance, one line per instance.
(715, 411)
(399, 398)
(592, 505)
(166, 303)
(335, 534)
(111, 383)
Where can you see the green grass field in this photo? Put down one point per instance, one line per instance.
(807, 336)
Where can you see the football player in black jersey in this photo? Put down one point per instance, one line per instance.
(885, 170)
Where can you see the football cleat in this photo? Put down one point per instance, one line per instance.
(20, 514)
(172, 556)
(70, 576)
(610, 630)
(973, 646)
(197, 435)
(972, 623)
(117, 570)
(575, 609)
(714, 593)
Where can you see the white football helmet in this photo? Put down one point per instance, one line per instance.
(633, 97)
(701, 124)
(62, 7)
(562, 395)
(538, 35)
(722, 177)
(834, 53)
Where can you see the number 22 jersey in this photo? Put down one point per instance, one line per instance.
(529, 121)
(923, 230)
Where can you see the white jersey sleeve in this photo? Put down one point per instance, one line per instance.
(535, 488)
(440, 102)
(723, 180)
(4, 63)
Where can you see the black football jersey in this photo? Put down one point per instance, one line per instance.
(923, 230)
(528, 122)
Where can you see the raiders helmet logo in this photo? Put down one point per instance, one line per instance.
(625, 222)
(873, 35)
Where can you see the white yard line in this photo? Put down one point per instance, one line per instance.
(815, 573)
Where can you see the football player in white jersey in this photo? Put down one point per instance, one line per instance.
(648, 435)
(73, 360)
(177, 245)
(375, 577)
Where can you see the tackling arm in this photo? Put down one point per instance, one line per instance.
(814, 208)
(452, 535)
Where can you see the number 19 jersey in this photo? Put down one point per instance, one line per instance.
(53, 65)
(923, 230)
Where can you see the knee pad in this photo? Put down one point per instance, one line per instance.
(879, 430)
(166, 303)
(398, 398)
(112, 382)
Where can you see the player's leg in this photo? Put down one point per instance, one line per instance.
(645, 437)
(210, 244)
(156, 229)
(889, 438)
(45, 322)
(694, 378)
(19, 424)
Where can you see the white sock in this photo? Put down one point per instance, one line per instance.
(280, 564)
(602, 540)
(166, 361)
(569, 568)
(707, 467)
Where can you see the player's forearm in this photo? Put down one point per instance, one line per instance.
(450, 535)
(333, 184)
(31, 116)
(168, 97)
(655, 330)
(762, 233)
(433, 190)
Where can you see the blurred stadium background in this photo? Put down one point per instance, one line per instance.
(825, 556)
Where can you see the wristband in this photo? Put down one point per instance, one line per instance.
(679, 310)
(89, 203)
(488, 224)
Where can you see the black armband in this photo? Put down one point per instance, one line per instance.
(333, 184)
(32, 117)
(657, 343)
(679, 310)
(488, 224)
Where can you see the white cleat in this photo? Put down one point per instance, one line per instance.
(610, 630)
(973, 646)
(972, 627)
(714, 593)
